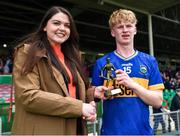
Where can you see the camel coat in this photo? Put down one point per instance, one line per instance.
(42, 102)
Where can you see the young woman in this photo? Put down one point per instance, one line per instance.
(50, 88)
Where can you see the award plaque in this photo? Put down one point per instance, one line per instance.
(108, 73)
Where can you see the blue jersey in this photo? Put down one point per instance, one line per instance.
(127, 114)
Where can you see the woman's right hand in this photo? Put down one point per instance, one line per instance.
(89, 111)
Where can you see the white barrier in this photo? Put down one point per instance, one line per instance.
(170, 117)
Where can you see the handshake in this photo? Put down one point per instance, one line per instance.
(89, 109)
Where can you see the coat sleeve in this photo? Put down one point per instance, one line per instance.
(90, 94)
(30, 97)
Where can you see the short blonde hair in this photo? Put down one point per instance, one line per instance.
(122, 15)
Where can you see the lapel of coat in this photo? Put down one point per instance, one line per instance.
(59, 78)
(81, 88)
(57, 75)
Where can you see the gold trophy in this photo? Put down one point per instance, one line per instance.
(109, 79)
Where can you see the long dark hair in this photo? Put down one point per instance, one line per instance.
(38, 42)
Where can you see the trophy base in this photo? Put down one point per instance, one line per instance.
(110, 93)
(115, 91)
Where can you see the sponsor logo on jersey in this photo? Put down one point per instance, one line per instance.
(126, 92)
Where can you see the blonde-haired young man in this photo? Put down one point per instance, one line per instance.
(138, 77)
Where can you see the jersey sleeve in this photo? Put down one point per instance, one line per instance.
(155, 80)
